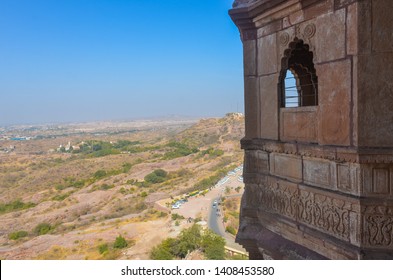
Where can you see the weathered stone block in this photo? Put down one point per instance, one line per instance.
(319, 173)
(269, 28)
(334, 88)
(296, 17)
(318, 9)
(382, 24)
(269, 107)
(252, 110)
(375, 100)
(330, 37)
(256, 161)
(352, 29)
(364, 21)
(267, 55)
(299, 124)
(286, 166)
(249, 57)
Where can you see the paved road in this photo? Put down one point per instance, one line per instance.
(215, 224)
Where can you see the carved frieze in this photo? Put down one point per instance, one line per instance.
(319, 211)
(327, 213)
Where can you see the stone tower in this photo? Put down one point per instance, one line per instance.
(318, 168)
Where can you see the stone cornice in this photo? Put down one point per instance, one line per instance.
(343, 154)
(244, 12)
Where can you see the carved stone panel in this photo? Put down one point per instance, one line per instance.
(377, 180)
(381, 181)
(378, 226)
(327, 213)
(343, 177)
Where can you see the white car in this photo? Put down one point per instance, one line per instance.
(175, 206)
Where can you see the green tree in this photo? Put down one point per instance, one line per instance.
(160, 173)
(189, 240)
(213, 246)
(164, 251)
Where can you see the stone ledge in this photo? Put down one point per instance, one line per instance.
(336, 153)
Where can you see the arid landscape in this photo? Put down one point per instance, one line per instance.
(73, 191)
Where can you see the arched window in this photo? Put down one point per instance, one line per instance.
(298, 79)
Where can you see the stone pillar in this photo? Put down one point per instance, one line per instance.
(319, 179)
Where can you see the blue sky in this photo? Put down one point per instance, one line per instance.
(86, 60)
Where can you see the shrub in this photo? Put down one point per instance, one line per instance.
(105, 187)
(17, 234)
(126, 167)
(15, 206)
(99, 174)
(61, 197)
(43, 228)
(231, 230)
(143, 194)
(157, 176)
(120, 242)
(162, 214)
(103, 248)
(177, 217)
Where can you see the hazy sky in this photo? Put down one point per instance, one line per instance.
(83, 60)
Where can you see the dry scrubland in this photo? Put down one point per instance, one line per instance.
(98, 202)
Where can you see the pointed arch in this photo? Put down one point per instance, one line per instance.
(298, 84)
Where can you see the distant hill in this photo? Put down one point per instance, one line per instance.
(214, 131)
(56, 198)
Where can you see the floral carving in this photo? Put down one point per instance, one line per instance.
(378, 226)
(316, 210)
(379, 230)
